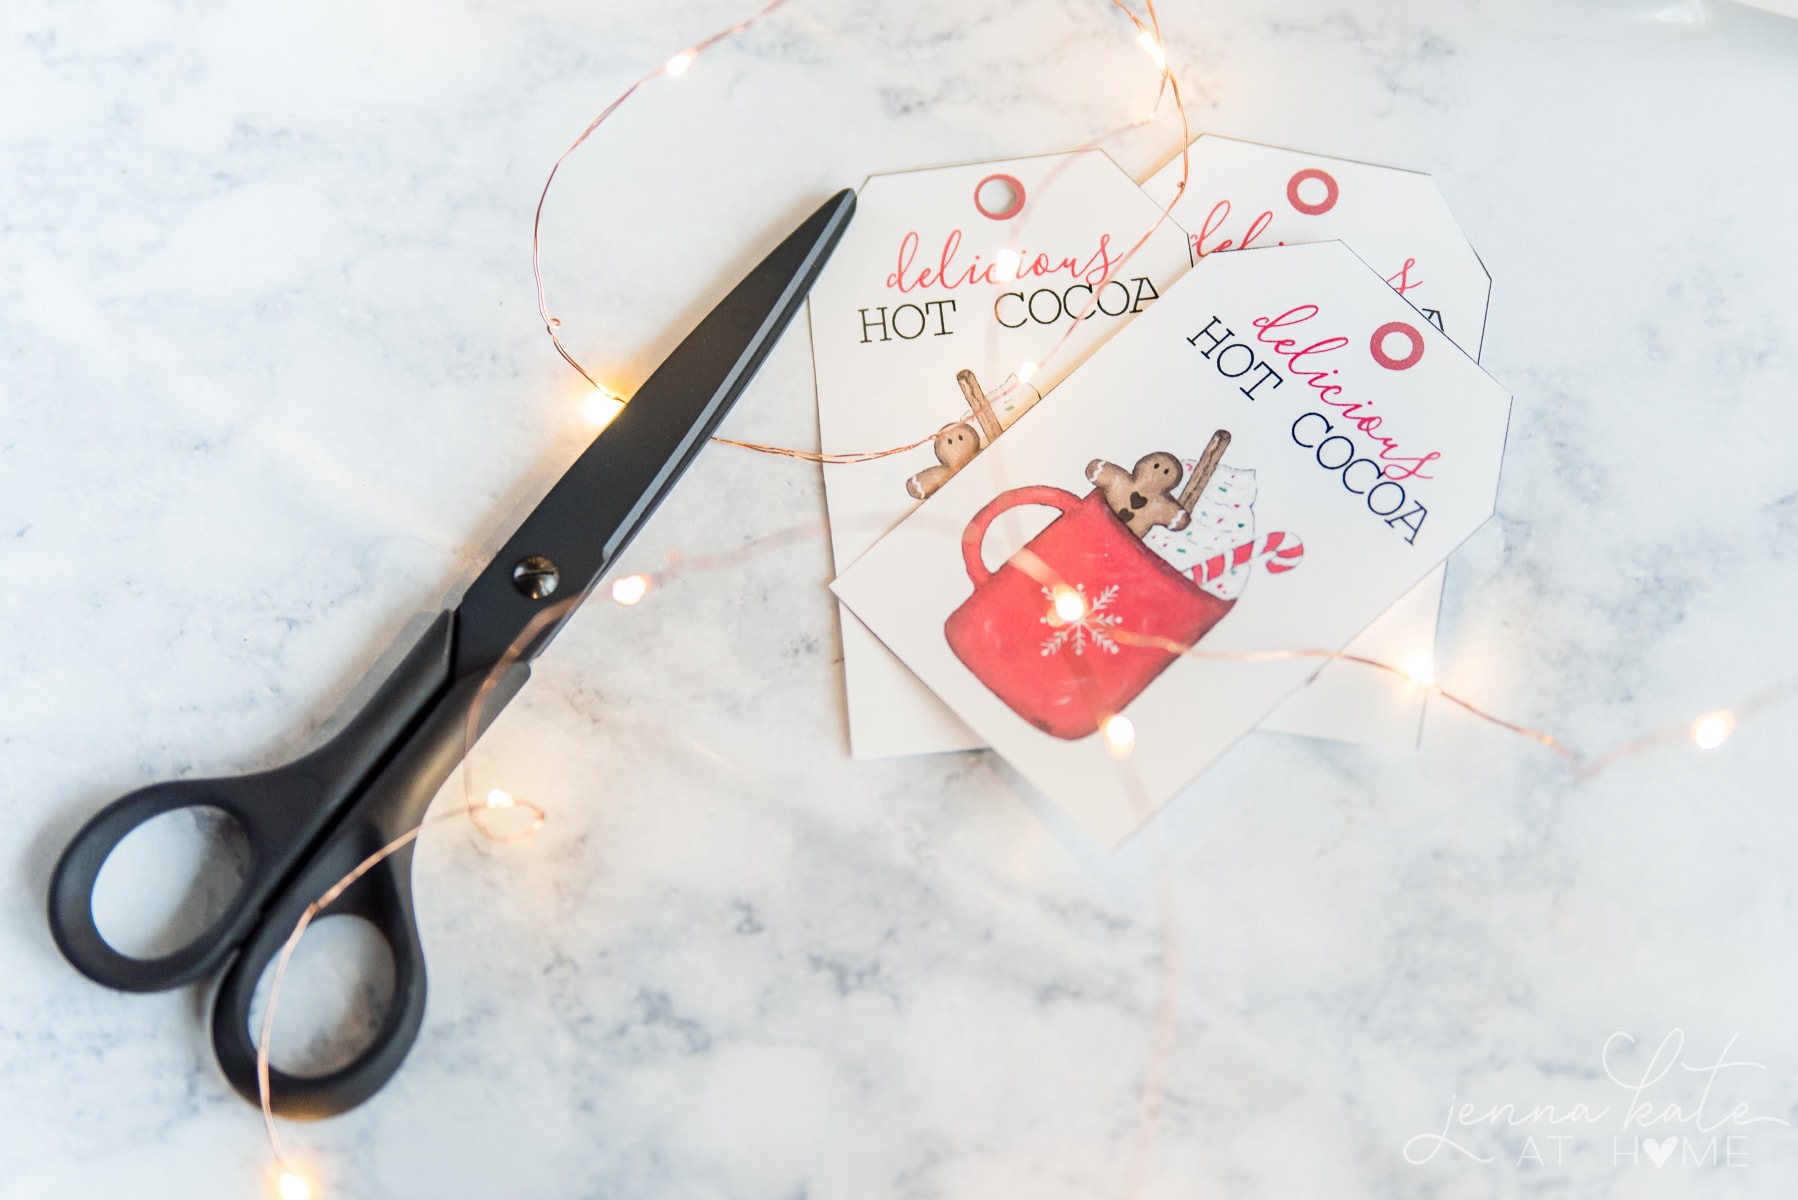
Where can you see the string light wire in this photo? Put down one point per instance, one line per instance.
(1148, 35)
(1708, 731)
(481, 813)
(674, 67)
(1121, 739)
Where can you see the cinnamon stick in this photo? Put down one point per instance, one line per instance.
(1206, 468)
(981, 406)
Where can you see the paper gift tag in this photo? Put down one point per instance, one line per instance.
(1240, 194)
(970, 271)
(1047, 589)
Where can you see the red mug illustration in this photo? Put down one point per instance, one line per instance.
(1075, 625)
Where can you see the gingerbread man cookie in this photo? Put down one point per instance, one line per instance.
(956, 447)
(1143, 498)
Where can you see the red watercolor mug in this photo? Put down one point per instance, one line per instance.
(1068, 677)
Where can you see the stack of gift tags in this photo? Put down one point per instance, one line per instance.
(1163, 464)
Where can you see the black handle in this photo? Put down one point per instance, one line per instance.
(390, 807)
(282, 812)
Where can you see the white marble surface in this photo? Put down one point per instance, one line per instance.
(272, 383)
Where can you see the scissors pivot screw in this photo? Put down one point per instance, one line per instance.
(536, 577)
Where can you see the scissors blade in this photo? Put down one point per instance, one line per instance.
(590, 516)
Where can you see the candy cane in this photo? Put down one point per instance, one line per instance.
(1280, 551)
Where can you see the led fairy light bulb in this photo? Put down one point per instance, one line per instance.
(1152, 46)
(292, 1187)
(677, 66)
(1713, 729)
(1069, 607)
(630, 589)
(1120, 735)
(600, 407)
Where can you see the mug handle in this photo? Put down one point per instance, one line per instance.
(975, 534)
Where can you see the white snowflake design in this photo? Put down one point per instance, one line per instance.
(1094, 625)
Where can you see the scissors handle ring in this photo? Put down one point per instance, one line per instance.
(392, 805)
(72, 885)
(282, 812)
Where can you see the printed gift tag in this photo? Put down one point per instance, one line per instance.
(1242, 195)
(949, 289)
(1263, 462)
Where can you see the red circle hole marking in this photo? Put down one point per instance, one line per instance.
(1331, 192)
(1001, 184)
(1378, 346)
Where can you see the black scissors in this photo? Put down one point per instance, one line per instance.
(310, 823)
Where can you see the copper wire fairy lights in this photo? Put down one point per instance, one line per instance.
(604, 403)
(484, 814)
(675, 67)
(1708, 731)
